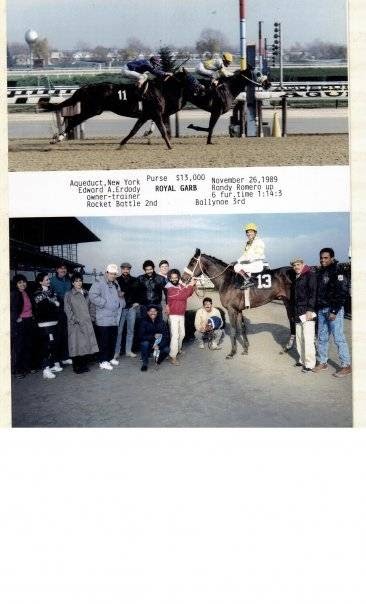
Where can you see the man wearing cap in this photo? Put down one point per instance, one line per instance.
(108, 299)
(304, 301)
(129, 288)
(252, 259)
(331, 298)
(212, 69)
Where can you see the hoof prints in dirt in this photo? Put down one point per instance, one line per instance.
(105, 154)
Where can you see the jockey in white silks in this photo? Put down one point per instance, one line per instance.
(253, 257)
(212, 69)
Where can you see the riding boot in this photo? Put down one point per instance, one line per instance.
(144, 88)
(247, 280)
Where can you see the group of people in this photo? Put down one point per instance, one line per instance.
(62, 323)
(319, 299)
(74, 323)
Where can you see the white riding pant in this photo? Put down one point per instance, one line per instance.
(305, 343)
(177, 333)
(133, 77)
(249, 267)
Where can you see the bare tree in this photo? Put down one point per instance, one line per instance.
(211, 40)
(41, 49)
(135, 47)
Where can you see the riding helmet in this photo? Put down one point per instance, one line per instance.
(251, 226)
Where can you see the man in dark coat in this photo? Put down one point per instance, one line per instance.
(129, 287)
(61, 284)
(304, 308)
(151, 287)
(153, 337)
(331, 297)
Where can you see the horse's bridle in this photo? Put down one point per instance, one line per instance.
(199, 263)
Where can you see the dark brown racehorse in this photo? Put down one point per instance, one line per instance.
(272, 285)
(161, 99)
(219, 99)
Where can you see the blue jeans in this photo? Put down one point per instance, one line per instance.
(147, 347)
(326, 328)
(128, 314)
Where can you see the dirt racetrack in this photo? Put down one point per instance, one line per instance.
(104, 153)
(263, 389)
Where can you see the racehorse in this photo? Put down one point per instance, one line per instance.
(161, 99)
(272, 285)
(219, 99)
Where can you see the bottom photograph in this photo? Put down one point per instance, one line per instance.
(181, 321)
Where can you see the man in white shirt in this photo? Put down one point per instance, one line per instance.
(208, 325)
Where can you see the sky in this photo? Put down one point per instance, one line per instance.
(179, 22)
(175, 238)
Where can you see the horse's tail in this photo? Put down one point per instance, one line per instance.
(47, 106)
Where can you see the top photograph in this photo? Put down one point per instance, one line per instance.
(172, 84)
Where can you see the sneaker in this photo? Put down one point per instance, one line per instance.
(320, 367)
(106, 365)
(201, 345)
(48, 375)
(298, 364)
(114, 362)
(173, 361)
(66, 362)
(144, 368)
(131, 354)
(215, 346)
(56, 368)
(343, 372)
(306, 370)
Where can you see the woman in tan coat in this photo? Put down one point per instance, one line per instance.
(82, 341)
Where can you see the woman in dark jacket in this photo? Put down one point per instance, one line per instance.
(81, 337)
(47, 309)
(22, 327)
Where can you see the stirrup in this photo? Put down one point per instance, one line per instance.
(246, 284)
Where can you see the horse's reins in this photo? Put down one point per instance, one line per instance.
(199, 263)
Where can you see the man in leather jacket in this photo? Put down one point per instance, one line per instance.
(332, 293)
(151, 287)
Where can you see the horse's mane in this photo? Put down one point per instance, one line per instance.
(216, 259)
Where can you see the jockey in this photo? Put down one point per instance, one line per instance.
(213, 69)
(252, 259)
(137, 70)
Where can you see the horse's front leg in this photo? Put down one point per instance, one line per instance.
(215, 114)
(140, 122)
(163, 131)
(242, 328)
(290, 315)
(233, 323)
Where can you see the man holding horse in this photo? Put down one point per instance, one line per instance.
(305, 315)
(252, 259)
(177, 296)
